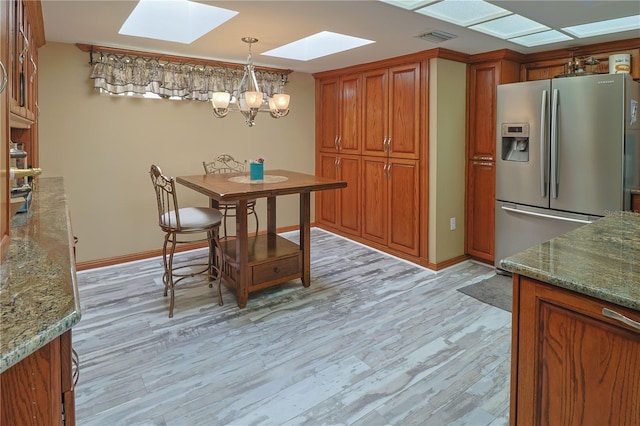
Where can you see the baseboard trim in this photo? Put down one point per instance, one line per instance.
(449, 262)
(110, 261)
(413, 259)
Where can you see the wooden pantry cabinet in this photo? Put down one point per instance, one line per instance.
(368, 129)
(482, 80)
(572, 365)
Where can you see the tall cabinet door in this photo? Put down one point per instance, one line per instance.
(327, 201)
(350, 114)
(483, 79)
(375, 195)
(481, 209)
(349, 197)
(327, 127)
(375, 112)
(404, 206)
(340, 208)
(404, 111)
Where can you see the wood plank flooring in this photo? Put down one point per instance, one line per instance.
(373, 341)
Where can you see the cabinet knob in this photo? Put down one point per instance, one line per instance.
(276, 270)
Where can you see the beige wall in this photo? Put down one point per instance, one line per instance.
(103, 146)
(447, 103)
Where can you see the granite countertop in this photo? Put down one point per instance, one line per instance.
(601, 260)
(38, 289)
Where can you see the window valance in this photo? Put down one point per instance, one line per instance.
(120, 73)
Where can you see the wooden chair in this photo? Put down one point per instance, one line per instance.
(175, 221)
(225, 163)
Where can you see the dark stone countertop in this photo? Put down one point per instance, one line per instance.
(601, 260)
(38, 289)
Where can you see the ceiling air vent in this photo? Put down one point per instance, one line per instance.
(436, 36)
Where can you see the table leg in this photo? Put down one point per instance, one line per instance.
(271, 215)
(305, 237)
(242, 254)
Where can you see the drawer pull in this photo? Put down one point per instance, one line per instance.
(276, 270)
(619, 317)
(75, 360)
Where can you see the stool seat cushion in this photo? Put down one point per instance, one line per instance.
(193, 218)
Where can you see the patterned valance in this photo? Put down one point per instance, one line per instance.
(120, 74)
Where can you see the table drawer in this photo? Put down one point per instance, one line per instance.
(276, 269)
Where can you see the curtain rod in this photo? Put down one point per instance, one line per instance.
(90, 48)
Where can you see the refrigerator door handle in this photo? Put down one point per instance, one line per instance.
(547, 216)
(543, 151)
(554, 144)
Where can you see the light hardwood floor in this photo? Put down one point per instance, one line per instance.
(373, 341)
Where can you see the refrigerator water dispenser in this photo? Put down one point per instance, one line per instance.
(515, 142)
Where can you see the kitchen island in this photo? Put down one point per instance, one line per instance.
(39, 306)
(576, 326)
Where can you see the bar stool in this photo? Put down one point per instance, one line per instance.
(175, 221)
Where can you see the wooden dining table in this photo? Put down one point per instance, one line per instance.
(266, 259)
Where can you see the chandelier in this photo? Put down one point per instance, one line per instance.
(248, 97)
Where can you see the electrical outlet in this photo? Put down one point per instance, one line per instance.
(452, 223)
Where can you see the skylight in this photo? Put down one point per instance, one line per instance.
(463, 12)
(605, 27)
(316, 46)
(509, 27)
(180, 21)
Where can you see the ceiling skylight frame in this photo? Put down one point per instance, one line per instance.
(541, 38)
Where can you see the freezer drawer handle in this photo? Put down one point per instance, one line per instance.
(619, 317)
(554, 144)
(548, 216)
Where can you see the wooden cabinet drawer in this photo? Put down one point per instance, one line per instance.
(276, 269)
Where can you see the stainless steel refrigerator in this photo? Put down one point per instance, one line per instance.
(567, 153)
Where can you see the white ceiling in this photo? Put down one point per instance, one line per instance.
(276, 23)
